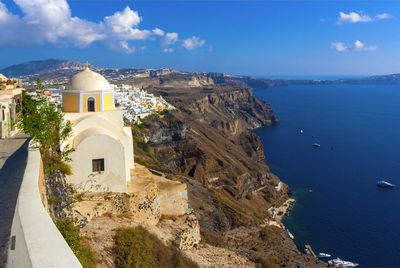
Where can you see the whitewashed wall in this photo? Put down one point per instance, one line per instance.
(38, 243)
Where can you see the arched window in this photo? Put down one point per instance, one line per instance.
(90, 104)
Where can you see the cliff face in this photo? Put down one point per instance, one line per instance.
(210, 138)
(169, 80)
(209, 143)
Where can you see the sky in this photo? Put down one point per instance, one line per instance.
(260, 38)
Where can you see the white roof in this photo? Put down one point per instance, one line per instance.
(88, 80)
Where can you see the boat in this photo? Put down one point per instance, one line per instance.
(324, 255)
(290, 234)
(301, 131)
(316, 145)
(310, 191)
(341, 263)
(385, 184)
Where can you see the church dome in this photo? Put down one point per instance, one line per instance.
(88, 80)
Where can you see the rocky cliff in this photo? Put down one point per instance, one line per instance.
(208, 142)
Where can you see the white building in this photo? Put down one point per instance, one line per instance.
(10, 98)
(103, 156)
(137, 103)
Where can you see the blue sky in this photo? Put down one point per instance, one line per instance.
(263, 38)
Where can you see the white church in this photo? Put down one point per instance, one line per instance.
(103, 156)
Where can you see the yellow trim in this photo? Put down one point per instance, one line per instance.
(108, 102)
(71, 103)
(97, 102)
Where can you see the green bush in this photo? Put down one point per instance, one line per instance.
(81, 248)
(136, 247)
(52, 199)
(143, 145)
(138, 126)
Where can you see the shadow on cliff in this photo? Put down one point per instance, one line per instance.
(11, 175)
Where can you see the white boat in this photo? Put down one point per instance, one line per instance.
(301, 131)
(341, 263)
(385, 184)
(290, 234)
(316, 145)
(324, 255)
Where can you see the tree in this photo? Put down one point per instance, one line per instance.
(45, 123)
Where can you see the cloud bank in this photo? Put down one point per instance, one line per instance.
(355, 17)
(356, 46)
(51, 22)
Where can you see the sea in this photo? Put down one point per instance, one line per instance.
(358, 128)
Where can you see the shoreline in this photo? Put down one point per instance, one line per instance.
(278, 213)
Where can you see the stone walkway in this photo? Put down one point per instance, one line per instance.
(13, 156)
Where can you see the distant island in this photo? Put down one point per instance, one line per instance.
(58, 70)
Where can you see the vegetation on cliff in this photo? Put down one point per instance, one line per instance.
(78, 245)
(45, 123)
(136, 247)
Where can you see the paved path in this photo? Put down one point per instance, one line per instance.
(13, 156)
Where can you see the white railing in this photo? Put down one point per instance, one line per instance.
(35, 240)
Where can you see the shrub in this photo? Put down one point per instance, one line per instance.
(81, 248)
(136, 247)
(45, 123)
(138, 126)
(52, 199)
(143, 145)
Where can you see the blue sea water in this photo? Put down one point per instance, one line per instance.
(347, 215)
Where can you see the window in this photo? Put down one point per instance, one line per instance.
(98, 165)
(90, 104)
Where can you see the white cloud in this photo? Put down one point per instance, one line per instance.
(355, 17)
(125, 47)
(51, 21)
(123, 26)
(360, 46)
(170, 38)
(356, 46)
(158, 32)
(4, 13)
(193, 43)
(383, 16)
(168, 50)
(339, 46)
